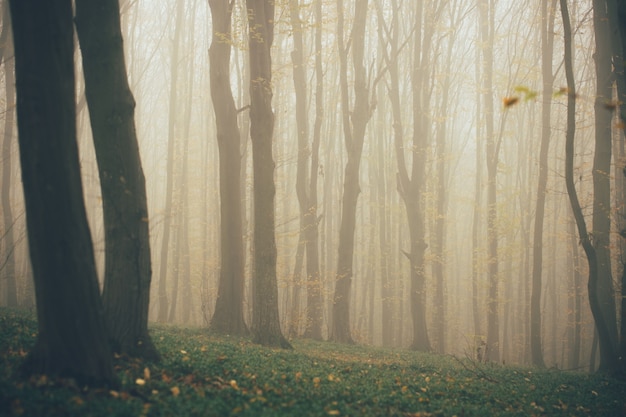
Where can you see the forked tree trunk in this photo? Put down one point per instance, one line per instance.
(72, 339)
(266, 325)
(607, 352)
(354, 124)
(228, 315)
(128, 272)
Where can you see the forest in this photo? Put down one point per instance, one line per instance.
(441, 176)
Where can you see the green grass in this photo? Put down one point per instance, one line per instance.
(205, 375)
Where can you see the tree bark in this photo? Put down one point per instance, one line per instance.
(169, 182)
(72, 339)
(601, 173)
(228, 316)
(607, 354)
(128, 272)
(491, 148)
(266, 325)
(8, 241)
(547, 41)
(354, 124)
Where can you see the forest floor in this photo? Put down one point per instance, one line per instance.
(207, 375)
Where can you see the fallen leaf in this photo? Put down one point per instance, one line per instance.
(140, 381)
(175, 391)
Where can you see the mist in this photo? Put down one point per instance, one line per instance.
(444, 120)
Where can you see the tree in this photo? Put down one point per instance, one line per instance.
(607, 352)
(306, 180)
(411, 188)
(617, 19)
(492, 149)
(7, 263)
(602, 180)
(547, 41)
(72, 340)
(128, 271)
(228, 315)
(354, 124)
(266, 325)
(169, 183)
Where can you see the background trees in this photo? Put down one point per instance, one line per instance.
(423, 75)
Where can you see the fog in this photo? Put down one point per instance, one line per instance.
(454, 124)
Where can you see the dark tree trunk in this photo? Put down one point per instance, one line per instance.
(266, 325)
(607, 354)
(602, 183)
(7, 262)
(72, 339)
(547, 40)
(617, 20)
(128, 271)
(228, 315)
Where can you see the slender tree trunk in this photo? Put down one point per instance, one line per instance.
(169, 186)
(266, 326)
(72, 339)
(228, 316)
(575, 296)
(8, 240)
(547, 37)
(128, 271)
(354, 124)
(476, 222)
(491, 148)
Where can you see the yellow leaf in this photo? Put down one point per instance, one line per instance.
(175, 391)
(316, 381)
(146, 373)
(140, 381)
(333, 412)
(233, 384)
(509, 101)
(114, 394)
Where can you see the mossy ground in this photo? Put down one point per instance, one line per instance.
(207, 375)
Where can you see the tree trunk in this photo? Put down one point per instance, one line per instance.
(617, 20)
(169, 183)
(547, 40)
(601, 173)
(608, 356)
(266, 326)
(228, 315)
(354, 124)
(72, 338)
(491, 148)
(7, 262)
(128, 272)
